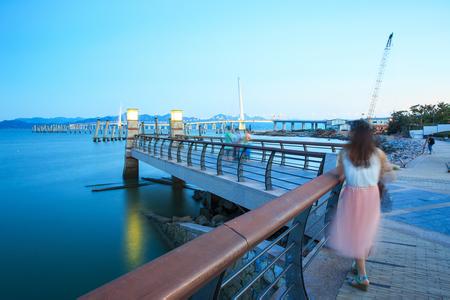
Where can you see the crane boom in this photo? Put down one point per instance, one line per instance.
(380, 74)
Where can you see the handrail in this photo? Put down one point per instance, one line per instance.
(273, 141)
(286, 151)
(183, 271)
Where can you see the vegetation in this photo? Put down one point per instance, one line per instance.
(417, 116)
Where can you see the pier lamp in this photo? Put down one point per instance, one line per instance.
(176, 123)
(132, 114)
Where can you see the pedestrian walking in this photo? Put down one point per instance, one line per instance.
(356, 222)
(430, 142)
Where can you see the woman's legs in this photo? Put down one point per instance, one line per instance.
(360, 280)
(361, 265)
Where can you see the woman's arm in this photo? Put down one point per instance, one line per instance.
(387, 171)
(339, 163)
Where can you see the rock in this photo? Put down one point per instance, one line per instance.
(219, 210)
(277, 270)
(269, 276)
(182, 219)
(229, 206)
(202, 220)
(205, 212)
(218, 219)
(198, 195)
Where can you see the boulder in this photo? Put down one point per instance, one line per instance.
(202, 220)
(218, 220)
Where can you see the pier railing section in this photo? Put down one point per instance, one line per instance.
(281, 143)
(274, 167)
(233, 260)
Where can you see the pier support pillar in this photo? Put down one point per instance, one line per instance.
(178, 183)
(131, 165)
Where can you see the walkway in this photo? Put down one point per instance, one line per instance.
(412, 256)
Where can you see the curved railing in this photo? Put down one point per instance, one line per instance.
(280, 143)
(274, 167)
(205, 267)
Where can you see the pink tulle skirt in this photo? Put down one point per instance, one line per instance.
(355, 225)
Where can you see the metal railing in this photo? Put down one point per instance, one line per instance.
(279, 143)
(273, 167)
(209, 266)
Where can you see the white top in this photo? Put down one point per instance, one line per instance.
(362, 176)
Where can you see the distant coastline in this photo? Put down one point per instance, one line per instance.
(27, 123)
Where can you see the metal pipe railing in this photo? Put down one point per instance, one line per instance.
(197, 268)
(300, 144)
(291, 167)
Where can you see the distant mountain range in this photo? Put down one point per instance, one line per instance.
(29, 122)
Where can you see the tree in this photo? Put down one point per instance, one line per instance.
(418, 116)
(399, 123)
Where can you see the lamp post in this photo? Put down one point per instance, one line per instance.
(131, 165)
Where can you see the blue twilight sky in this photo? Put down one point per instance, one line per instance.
(309, 59)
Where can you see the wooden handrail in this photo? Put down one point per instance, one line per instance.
(182, 271)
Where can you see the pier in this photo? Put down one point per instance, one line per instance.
(269, 171)
(291, 190)
(289, 187)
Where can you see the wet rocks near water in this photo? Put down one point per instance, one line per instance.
(216, 210)
(400, 151)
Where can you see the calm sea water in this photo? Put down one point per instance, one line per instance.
(59, 239)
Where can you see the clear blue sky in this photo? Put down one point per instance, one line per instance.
(308, 59)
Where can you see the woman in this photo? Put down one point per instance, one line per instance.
(358, 214)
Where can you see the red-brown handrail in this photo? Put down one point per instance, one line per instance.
(184, 270)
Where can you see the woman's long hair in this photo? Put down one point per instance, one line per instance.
(362, 145)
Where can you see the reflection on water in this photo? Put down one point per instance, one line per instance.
(134, 239)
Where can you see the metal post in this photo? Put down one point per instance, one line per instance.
(189, 155)
(149, 147)
(202, 157)
(268, 173)
(294, 276)
(169, 154)
(154, 147)
(283, 155)
(161, 152)
(180, 144)
(219, 160)
(240, 168)
(263, 158)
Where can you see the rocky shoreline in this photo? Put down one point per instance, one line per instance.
(400, 151)
(319, 133)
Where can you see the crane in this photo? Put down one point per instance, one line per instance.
(380, 74)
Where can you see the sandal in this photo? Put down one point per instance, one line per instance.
(360, 282)
(354, 268)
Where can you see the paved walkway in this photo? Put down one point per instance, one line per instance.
(412, 256)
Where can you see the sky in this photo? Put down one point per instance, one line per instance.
(296, 59)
